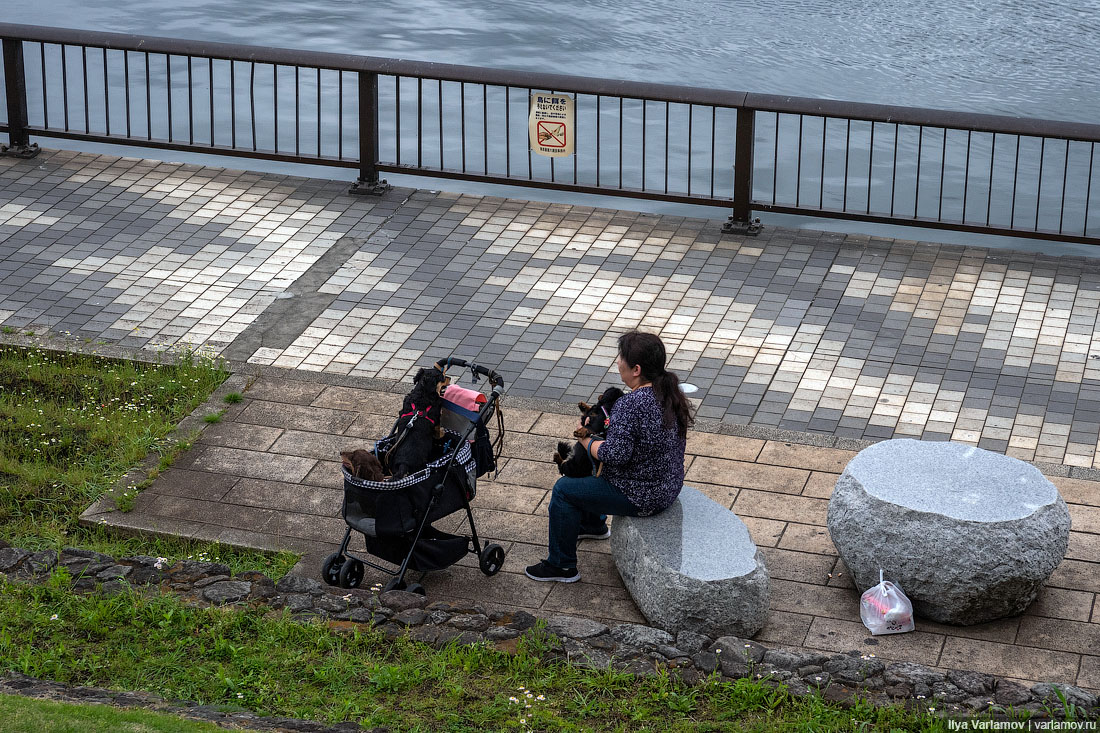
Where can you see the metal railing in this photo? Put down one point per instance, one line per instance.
(751, 152)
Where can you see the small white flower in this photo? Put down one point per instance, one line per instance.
(513, 699)
(541, 697)
(53, 618)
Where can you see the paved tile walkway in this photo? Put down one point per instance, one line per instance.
(839, 339)
(268, 476)
(809, 331)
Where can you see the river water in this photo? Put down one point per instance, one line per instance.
(1034, 59)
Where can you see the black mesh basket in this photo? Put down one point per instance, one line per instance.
(434, 550)
(395, 508)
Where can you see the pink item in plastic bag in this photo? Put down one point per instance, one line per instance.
(885, 609)
(469, 399)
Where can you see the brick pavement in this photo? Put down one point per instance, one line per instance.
(842, 335)
(268, 476)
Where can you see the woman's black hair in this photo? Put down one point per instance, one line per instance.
(646, 350)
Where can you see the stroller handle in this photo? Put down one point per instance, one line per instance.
(494, 379)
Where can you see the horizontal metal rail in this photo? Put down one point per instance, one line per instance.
(751, 152)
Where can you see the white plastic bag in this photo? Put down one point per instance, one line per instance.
(885, 609)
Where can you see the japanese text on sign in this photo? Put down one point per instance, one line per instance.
(550, 124)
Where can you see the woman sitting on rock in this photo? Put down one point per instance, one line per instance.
(643, 459)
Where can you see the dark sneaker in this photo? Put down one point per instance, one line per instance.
(595, 532)
(546, 571)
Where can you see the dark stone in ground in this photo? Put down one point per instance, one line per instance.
(691, 641)
(40, 563)
(296, 584)
(114, 572)
(1073, 695)
(209, 581)
(400, 600)
(424, 634)
(188, 571)
(470, 622)
(501, 633)
(642, 637)
(410, 617)
(522, 620)
(331, 603)
(227, 591)
(853, 670)
(1011, 694)
(76, 552)
(974, 683)
(947, 692)
(11, 558)
(293, 602)
(575, 627)
(705, 661)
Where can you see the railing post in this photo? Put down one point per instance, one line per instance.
(16, 89)
(368, 183)
(740, 222)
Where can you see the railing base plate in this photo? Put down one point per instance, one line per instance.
(20, 151)
(370, 188)
(748, 228)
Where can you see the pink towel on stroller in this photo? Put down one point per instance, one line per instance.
(469, 399)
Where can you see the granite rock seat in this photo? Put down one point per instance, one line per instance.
(969, 535)
(693, 567)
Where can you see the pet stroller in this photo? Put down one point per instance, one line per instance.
(395, 517)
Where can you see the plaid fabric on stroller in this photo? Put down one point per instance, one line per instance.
(395, 517)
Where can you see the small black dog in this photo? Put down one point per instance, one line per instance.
(574, 461)
(362, 464)
(418, 425)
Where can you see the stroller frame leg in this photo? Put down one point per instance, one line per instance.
(400, 574)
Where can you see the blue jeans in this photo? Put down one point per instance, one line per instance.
(576, 503)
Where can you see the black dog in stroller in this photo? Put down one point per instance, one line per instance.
(433, 477)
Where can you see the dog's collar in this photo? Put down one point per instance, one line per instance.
(415, 412)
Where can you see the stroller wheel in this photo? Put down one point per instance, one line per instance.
(416, 588)
(351, 574)
(491, 559)
(330, 568)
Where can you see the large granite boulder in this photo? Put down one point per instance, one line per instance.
(693, 567)
(968, 534)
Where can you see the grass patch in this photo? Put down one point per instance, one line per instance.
(233, 398)
(71, 425)
(20, 714)
(275, 666)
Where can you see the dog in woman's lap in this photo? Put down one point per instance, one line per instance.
(573, 460)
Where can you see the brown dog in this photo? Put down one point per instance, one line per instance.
(362, 464)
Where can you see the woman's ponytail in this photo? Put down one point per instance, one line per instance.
(647, 350)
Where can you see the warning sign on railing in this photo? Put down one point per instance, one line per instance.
(551, 124)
